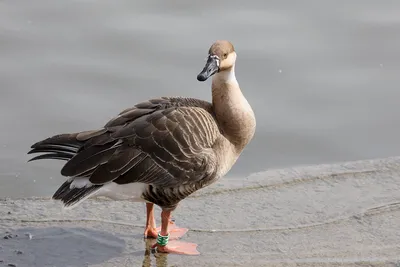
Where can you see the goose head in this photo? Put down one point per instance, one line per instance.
(221, 58)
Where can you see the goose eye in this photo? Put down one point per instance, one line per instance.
(225, 55)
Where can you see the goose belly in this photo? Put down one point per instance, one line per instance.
(132, 191)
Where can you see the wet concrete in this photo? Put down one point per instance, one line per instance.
(325, 215)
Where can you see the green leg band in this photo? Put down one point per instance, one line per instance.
(162, 240)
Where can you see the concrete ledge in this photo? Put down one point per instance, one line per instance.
(326, 215)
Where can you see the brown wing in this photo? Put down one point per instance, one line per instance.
(165, 142)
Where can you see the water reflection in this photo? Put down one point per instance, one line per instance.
(149, 255)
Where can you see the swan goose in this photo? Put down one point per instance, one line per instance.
(159, 151)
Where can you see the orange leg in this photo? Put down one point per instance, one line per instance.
(150, 230)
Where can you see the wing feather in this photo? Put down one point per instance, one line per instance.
(164, 142)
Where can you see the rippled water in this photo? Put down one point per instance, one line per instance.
(322, 77)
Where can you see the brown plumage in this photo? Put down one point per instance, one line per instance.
(165, 148)
(164, 142)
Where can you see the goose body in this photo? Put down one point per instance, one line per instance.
(162, 150)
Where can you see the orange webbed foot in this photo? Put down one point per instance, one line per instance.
(178, 247)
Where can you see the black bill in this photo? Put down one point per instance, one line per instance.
(211, 67)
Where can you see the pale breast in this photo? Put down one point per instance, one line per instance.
(226, 155)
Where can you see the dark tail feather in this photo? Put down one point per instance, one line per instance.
(65, 147)
(62, 147)
(72, 197)
(57, 155)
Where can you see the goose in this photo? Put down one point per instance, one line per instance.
(159, 151)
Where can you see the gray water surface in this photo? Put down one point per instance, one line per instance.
(322, 76)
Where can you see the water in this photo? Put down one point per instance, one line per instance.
(322, 77)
